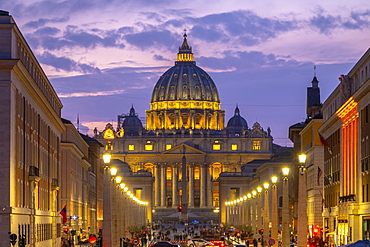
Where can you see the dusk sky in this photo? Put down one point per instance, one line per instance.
(103, 56)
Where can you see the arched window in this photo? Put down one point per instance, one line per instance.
(216, 172)
(168, 173)
(196, 173)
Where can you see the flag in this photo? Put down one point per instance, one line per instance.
(319, 173)
(324, 143)
(64, 214)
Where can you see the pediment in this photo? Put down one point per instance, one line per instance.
(179, 149)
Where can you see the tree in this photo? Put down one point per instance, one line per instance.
(136, 230)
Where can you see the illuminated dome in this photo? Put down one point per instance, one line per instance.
(185, 97)
(185, 80)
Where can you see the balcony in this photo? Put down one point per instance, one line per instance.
(33, 174)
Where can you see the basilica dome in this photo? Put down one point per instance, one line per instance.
(185, 97)
(185, 80)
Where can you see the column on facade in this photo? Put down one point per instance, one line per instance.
(191, 186)
(209, 187)
(163, 185)
(177, 119)
(174, 186)
(191, 120)
(203, 170)
(157, 194)
(205, 119)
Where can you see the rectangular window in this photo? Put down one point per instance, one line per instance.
(234, 146)
(131, 147)
(148, 147)
(168, 146)
(216, 147)
(256, 145)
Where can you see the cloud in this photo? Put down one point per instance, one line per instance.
(43, 21)
(246, 61)
(160, 58)
(152, 38)
(327, 23)
(89, 94)
(244, 26)
(47, 31)
(66, 64)
(47, 38)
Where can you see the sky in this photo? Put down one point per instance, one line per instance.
(103, 56)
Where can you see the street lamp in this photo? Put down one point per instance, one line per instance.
(118, 180)
(113, 171)
(266, 219)
(302, 203)
(259, 211)
(107, 214)
(254, 214)
(285, 209)
(274, 210)
(302, 163)
(106, 158)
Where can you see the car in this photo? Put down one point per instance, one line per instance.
(165, 244)
(198, 243)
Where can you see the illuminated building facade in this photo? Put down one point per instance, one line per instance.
(346, 215)
(30, 129)
(81, 183)
(308, 176)
(185, 119)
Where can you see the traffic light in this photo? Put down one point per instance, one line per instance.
(21, 242)
(261, 231)
(179, 208)
(316, 231)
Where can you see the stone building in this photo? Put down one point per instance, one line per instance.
(346, 129)
(81, 183)
(30, 129)
(185, 121)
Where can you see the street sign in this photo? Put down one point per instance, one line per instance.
(135, 241)
(271, 241)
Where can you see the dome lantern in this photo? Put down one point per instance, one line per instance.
(185, 53)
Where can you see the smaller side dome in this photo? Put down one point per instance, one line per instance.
(237, 120)
(132, 124)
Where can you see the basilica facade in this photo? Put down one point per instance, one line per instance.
(185, 125)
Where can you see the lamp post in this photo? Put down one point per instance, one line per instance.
(285, 210)
(259, 211)
(266, 218)
(302, 203)
(274, 210)
(107, 217)
(254, 215)
(249, 208)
